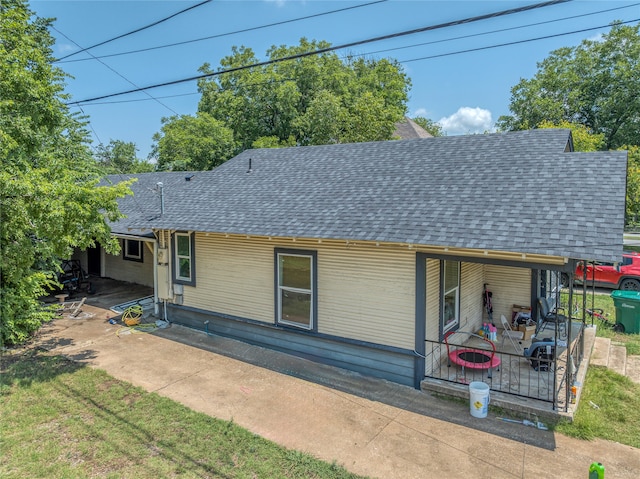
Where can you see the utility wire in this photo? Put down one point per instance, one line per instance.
(462, 37)
(517, 42)
(119, 74)
(458, 52)
(501, 13)
(245, 30)
(137, 29)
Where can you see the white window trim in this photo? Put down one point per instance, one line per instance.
(310, 292)
(456, 289)
(179, 257)
(128, 255)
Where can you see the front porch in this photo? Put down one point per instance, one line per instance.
(538, 388)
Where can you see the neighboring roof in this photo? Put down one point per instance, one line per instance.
(408, 129)
(515, 192)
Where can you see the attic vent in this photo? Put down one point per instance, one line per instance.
(250, 170)
(188, 178)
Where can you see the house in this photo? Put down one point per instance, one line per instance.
(408, 129)
(357, 255)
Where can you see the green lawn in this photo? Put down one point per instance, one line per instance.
(610, 403)
(63, 420)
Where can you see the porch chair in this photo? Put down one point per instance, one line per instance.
(549, 314)
(515, 337)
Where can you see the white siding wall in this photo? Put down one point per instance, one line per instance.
(433, 300)
(116, 267)
(509, 286)
(363, 294)
(471, 297)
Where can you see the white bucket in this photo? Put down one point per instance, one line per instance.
(479, 399)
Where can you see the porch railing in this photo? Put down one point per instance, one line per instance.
(539, 378)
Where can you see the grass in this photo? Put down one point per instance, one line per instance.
(604, 329)
(610, 403)
(609, 409)
(63, 420)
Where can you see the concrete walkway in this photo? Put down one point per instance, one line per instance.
(372, 427)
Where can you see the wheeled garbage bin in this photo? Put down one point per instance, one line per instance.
(627, 304)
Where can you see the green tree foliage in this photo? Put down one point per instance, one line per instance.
(192, 143)
(432, 127)
(49, 198)
(120, 157)
(310, 100)
(633, 187)
(596, 84)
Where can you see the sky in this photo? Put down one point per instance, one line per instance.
(461, 75)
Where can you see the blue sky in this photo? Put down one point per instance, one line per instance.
(465, 91)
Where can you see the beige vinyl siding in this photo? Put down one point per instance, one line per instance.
(471, 276)
(116, 267)
(509, 286)
(363, 294)
(471, 306)
(367, 295)
(433, 300)
(233, 276)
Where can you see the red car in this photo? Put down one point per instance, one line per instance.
(625, 275)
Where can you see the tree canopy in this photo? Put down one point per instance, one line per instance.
(120, 157)
(595, 84)
(50, 201)
(309, 100)
(192, 143)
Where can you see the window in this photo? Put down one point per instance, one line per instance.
(184, 270)
(296, 288)
(450, 291)
(132, 250)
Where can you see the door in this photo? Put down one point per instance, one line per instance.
(93, 260)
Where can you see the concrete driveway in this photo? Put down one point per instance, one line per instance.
(372, 427)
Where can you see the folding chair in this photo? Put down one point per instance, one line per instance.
(515, 337)
(72, 308)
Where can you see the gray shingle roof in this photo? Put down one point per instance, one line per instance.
(515, 192)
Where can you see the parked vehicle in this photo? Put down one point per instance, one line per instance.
(624, 276)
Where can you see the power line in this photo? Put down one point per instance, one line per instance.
(517, 42)
(501, 13)
(458, 52)
(137, 29)
(462, 37)
(119, 74)
(245, 30)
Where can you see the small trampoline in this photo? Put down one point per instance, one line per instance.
(472, 358)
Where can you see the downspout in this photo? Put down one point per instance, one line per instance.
(156, 308)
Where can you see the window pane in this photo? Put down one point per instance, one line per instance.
(296, 307)
(133, 248)
(295, 271)
(450, 307)
(183, 245)
(185, 268)
(451, 269)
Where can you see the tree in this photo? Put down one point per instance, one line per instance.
(120, 157)
(596, 84)
(50, 201)
(432, 127)
(632, 217)
(192, 143)
(316, 99)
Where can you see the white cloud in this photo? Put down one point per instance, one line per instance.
(467, 120)
(420, 112)
(66, 47)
